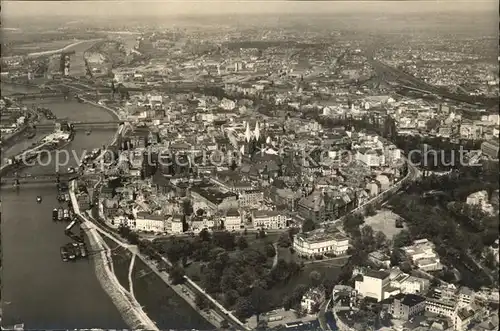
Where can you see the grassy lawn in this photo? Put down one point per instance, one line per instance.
(384, 221)
(285, 254)
(121, 262)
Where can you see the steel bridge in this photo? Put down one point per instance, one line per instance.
(39, 95)
(37, 178)
(82, 125)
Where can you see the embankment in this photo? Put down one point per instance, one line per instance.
(128, 307)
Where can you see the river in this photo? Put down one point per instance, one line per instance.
(41, 290)
(38, 288)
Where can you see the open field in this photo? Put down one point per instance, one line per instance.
(384, 221)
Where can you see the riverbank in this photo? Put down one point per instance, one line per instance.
(128, 307)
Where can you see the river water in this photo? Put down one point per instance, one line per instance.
(38, 288)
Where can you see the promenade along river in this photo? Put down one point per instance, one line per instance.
(46, 293)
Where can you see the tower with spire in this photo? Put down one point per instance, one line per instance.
(252, 139)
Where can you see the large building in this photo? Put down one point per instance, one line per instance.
(490, 148)
(372, 284)
(317, 243)
(268, 219)
(406, 306)
(423, 255)
(212, 200)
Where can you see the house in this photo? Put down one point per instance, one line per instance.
(380, 259)
(465, 296)
(462, 318)
(423, 255)
(490, 149)
(250, 198)
(372, 283)
(489, 323)
(268, 219)
(440, 305)
(317, 243)
(408, 284)
(383, 182)
(406, 306)
(312, 300)
(370, 157)
(149, 222)
(209, 198)
(176, 226)
(232, 220)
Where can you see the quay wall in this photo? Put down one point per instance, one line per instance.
(12, 138)
(128, 307)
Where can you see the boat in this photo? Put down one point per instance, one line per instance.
(17, 327)
(64, 254)
(66, 214)
(66, 197)
(60, 214)
(88, 132)
(54, 214)
(39, 199)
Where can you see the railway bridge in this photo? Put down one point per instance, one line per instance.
(79, 126)
(38, 95)
(37, 178)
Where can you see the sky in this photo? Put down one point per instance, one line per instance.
(221, 7)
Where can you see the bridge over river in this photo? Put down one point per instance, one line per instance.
(79, 126)
(38, 178)
(38, 95)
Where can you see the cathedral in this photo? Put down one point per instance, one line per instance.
(253, 140)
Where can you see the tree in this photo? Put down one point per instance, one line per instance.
(395, 257)
(315, 278)
(402, 239)
(489, 260)
(243, 307)
(370, 210)
(242, 243)
(176, 275)
(270, 251)
(284, 240)
(205, 235)
(352, 222)
(380, 239)
(201, 301)
(260, 301)
(308, 225)
(405, 267)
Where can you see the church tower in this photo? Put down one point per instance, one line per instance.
(248, 133)
(256, 132)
